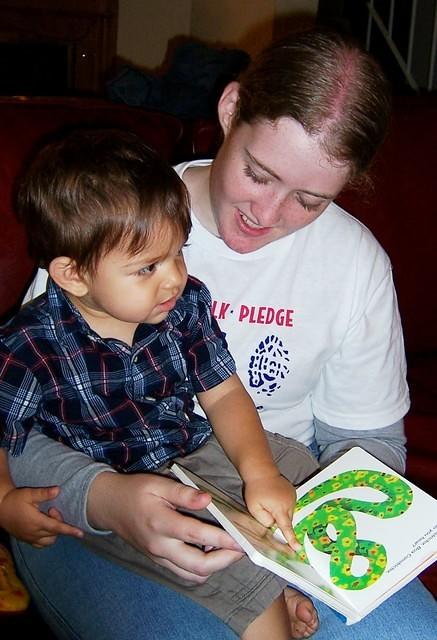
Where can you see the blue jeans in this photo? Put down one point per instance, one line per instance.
(83, 596)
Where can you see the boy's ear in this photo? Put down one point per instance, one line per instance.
(227, 106)
(64, 272)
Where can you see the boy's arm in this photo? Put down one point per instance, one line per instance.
(236, 424)
(19, 508)
(6, 483)
(237, 427)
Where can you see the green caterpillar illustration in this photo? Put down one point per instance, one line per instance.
(337, 512)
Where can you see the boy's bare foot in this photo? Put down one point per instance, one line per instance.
(302, 614)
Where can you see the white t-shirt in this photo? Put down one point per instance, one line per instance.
(311, 320)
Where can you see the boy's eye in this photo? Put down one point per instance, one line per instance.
(253, 176)
(146, 270)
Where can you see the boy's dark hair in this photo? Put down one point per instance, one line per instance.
(97, 189)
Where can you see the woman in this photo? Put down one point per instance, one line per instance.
(305, 296)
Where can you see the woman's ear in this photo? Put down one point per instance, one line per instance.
(64, 272)
(227, 106)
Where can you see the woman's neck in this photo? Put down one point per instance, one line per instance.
(197, 182)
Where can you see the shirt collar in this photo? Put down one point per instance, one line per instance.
(65, 315)
(69, 321)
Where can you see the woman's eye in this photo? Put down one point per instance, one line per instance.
(307, 206)
(253, 176)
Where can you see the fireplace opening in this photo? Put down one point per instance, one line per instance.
(35, 69)
(57, 47)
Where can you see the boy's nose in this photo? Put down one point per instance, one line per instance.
(175, 277)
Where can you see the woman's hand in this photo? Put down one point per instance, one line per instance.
(143, 510)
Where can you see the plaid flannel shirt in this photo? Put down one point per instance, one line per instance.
(131, 407)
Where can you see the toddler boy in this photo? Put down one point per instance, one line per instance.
(109, 360)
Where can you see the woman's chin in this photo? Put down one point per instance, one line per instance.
(246, 244)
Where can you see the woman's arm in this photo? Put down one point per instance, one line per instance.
(387, 443)
(45, 462)
(141, 508)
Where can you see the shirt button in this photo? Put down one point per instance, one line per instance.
(136, 359)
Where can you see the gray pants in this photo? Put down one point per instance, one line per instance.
(241, 592)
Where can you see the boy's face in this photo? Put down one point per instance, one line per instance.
(127, 290)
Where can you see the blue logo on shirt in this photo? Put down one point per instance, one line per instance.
(269, 365)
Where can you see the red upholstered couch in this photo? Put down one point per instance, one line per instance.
(402, 213)
(22, 123)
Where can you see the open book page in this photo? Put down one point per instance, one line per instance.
(366, 529)
(260, 542)
(365, 532)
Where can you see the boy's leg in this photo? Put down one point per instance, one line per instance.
(282, 620)
(296, 463)
(302, 614)
(239, 594)
(272, 623)
(294, 460)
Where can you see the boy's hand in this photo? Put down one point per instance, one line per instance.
(21, 517)
(271, 500)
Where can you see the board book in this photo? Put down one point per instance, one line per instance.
(365, 533)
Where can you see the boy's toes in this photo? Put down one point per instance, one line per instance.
(302, 614)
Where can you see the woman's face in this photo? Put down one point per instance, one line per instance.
(269, 180)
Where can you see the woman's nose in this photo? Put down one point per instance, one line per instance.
(267, 212)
